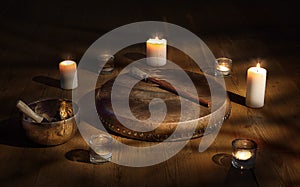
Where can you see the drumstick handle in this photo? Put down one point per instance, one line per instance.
(167, 86)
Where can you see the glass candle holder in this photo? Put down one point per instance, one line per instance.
(243, 153)
(108, 61)
(100, 148)
(223, 66)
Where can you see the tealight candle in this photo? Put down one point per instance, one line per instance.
(68, 74)
(108, 61)
(243, 153)
(156, 52)
(256, 83)
(223, 66)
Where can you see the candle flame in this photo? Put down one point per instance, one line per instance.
(67, 56)
(258, 65)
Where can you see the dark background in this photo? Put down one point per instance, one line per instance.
(44, 32)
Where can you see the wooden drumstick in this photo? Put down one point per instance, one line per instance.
(29, 112)
(166, 86)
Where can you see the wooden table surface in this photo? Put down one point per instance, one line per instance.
(275, 128)
(26, 74)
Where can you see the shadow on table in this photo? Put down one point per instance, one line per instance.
(78, 155)
(222, 159)
(134, 56)
(47, 81)
(12, 134)
(235, 177)
(236, 98)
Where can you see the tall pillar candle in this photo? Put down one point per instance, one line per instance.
(256, 84)
(68, 74)
(156, 52)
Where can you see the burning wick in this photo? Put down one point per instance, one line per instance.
(257, 67)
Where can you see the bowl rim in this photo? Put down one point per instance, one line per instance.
(28, 120)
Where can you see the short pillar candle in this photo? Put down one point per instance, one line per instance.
(156, 52)
(68, 74)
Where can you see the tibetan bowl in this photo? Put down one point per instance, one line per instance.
(56, 131)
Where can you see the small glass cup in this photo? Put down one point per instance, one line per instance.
(244, 153)
(108, 61)
(100, 148)
(223, 66)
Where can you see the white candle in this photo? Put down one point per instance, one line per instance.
(68, 74)
(156, 52)
(243, 155)
(256, 83)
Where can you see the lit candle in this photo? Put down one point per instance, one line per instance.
(68, 74)
(156, 52)
(223, 66)
(243, 155)
(223, 69)
(256, 83)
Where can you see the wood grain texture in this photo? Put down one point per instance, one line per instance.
(35, 36)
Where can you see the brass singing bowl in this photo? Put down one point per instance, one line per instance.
(55, 132)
